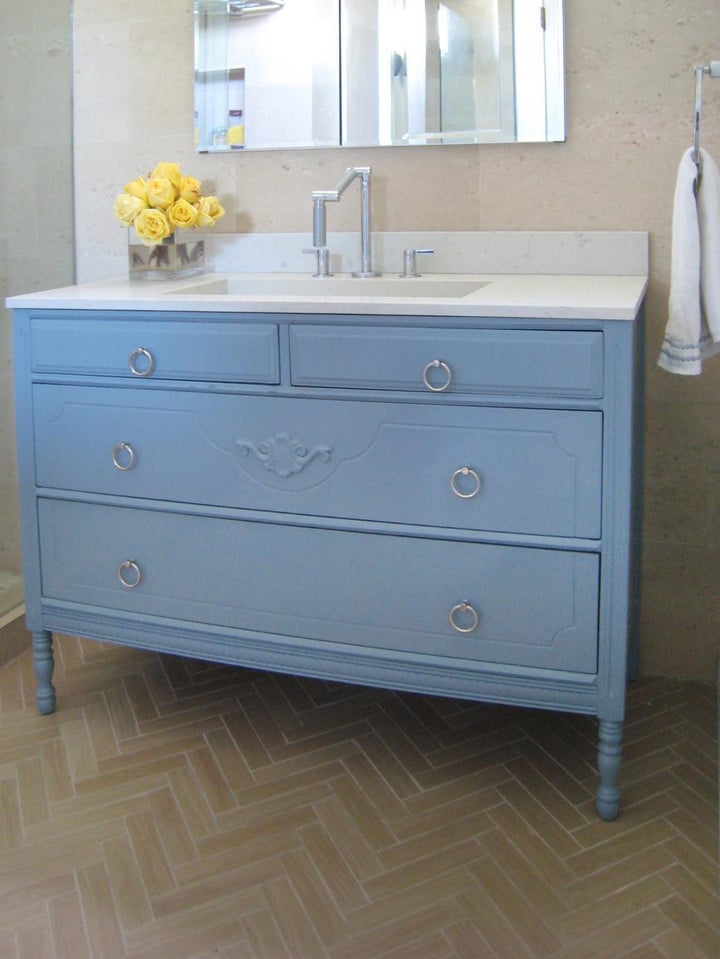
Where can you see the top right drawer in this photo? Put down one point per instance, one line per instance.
(528, 362)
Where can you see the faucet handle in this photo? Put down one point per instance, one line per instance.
(322, 260)
(410, 262)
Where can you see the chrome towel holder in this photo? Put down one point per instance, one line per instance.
(711, 69)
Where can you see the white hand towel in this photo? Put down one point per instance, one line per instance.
(709, 217)
(693, 329)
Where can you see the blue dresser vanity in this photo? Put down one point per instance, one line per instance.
(440, 500)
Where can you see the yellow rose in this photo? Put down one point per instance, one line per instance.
(209, 211)
(169, 171)
(182, 214)
(137, 188)
(190, 189)
(160, 192)
(127, 207)
(152, 226)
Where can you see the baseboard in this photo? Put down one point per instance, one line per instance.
(14, 638)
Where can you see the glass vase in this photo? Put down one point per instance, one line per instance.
(173, 258)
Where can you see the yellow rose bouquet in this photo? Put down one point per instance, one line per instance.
(166, 201)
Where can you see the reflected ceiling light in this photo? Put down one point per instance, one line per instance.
(251, 8)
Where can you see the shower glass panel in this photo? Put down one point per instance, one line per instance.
(36, 239)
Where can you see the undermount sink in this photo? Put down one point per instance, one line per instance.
(280, 284)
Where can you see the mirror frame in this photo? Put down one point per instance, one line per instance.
(220, 85)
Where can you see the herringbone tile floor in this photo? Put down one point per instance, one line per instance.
(180, 809)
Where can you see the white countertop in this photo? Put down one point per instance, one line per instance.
(561, 296)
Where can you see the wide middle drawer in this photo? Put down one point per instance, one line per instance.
(512, 470)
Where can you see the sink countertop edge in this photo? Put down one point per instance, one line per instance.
(503, 295)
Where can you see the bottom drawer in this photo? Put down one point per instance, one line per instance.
(496, 604)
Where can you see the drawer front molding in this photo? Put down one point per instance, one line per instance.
(283, 455)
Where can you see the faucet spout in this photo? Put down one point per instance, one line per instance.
(322, 197)
(366, 268)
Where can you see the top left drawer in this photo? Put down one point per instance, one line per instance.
(156, 349)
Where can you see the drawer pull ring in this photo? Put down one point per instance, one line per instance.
(129, 574)
(148, 366)
(466, 609)
(434, 365)
(465, 471)
(123, 457)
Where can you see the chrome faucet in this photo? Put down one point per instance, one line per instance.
(320, 199)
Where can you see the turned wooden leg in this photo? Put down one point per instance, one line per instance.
(44, 664)
(609, 759)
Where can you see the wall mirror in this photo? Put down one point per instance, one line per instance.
(283, 74)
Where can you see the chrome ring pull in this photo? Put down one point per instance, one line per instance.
(474, 477)
(465, 609)
(123, 457)
(129, 567)
(149, 365)
(434, 365)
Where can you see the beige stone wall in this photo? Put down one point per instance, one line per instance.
(630, 90)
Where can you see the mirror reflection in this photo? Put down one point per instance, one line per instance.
(318, 73)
